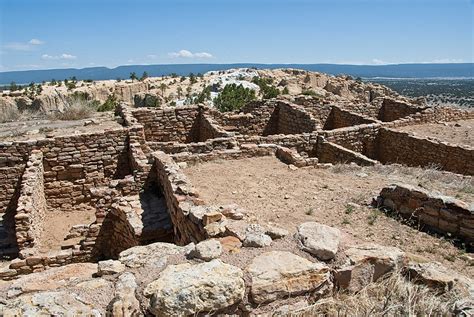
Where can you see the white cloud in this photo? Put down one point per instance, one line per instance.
(447, 61)
(16, 46)
(36, 42)
(188, 54)
(56, 57)
(152, 56)
(21, 46)
(376, 61)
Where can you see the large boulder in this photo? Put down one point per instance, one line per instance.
(320, 240)
(187, 289)
(278, 274)
(366, 264)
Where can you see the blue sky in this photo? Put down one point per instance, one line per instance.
(41, 34)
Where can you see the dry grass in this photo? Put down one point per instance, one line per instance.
(75, 109)
(393, 296)
(10, 114)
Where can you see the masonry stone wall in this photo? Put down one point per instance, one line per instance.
(361, 139)
(395, 109)
(180, 198)
(31, 209)
(169, 124)
(404, 148)
(293, 119)
(328, 152)
(442, 214)
(340, 118)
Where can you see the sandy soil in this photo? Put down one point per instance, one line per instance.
(59, 222)
(40, 129)
(273, 193)
(459, 132)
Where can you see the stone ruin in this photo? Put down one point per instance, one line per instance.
(129, 181)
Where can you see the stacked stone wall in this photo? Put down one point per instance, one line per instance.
(442, 214)
(30, 213)
(169, 124)
(340, 118)
(293, 119)
(361, 139)
(328, 152)
(392, 110)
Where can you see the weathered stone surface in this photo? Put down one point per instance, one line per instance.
(279, 274)
(61, 303)
(276, 232)
(366, 264)
(320, 240)
(436, 276)
(207, 250)
(125, 303)
(153, 254)
(255, 237)
(187, 289)
(110, 267)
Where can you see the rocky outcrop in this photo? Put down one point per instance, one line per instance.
(279, 274)
(187, 289)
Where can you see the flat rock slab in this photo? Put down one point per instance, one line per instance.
(320, 240)
(187, 289)
(279, 274)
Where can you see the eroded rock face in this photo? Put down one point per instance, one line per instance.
(279, 274)
(320, 240)
(366, 264)
(187, 289)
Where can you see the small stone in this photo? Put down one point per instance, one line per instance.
(255, 237)
(110, 267)
(276, 232)
(207, 250)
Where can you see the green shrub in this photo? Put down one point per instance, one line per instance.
(204, 95)
(109, 105)
(266, 89)
(233, 97)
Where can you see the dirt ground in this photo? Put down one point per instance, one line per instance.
(58, 223)
(40, 129)
(274, 194)
(459, 132)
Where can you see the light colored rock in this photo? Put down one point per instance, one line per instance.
(125, 303)
(60, 303)
(436, 276)
(154, 254)
(320, 240)
(278, 274)
(52, 279)
(186, 289)
(366, 264)
(207, 250)
(110, 267)
(276, 232)
(255, 237)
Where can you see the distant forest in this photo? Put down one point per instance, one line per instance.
(365, 71)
